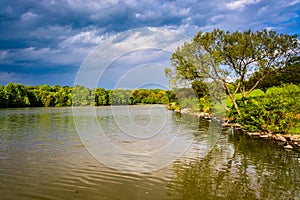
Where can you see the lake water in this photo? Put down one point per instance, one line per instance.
(136, 152)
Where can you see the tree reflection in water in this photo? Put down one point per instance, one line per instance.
(238, 168)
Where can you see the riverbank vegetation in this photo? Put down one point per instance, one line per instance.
(15, 95)
(277, 110)
(259, 73)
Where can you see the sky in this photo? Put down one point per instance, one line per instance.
(112, 43)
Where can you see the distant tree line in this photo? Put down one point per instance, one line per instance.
(17, 95)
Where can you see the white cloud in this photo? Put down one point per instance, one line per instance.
(285, 17)
(30, 53)
(85, 37)
(64, 32)
(129, 49)
(73, 49)
(91, 4)
(262, 10)
(52, 57)
(150, 37)
(29, 16)
(176, 10)
(293, 2)
(240, 4)
(131, 3)
(137, 15)
(217, 18)
(70, 50)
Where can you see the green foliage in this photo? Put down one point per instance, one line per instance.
(3, 100)
(205, 104)
(200, 88)
(206, 62)
(17, 95)
(277, 110)
(151, 96)
(82, 96)
(191, 103)
(213, 56)
(257, 93)
(102, 97)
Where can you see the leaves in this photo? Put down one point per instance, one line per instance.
(221, 57)
(17, 95)
(275, 111)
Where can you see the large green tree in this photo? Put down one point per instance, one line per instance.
(15, 95)
(101, 97)
(221, 57)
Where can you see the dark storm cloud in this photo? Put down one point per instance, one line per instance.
(54, 36)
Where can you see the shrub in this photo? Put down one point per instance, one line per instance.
(275, 111)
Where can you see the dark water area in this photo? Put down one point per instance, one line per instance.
(42, 156)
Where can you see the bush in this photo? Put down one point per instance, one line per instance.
(276, 111)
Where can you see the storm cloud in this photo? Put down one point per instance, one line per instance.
(46, 41)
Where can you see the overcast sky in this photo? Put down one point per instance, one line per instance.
(49, 41)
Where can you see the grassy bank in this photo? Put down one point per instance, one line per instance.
(276, 111)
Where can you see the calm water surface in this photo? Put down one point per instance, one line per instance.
(42, 157)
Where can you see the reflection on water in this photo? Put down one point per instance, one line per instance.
(42, 157)
(114, 137)
(238, 168)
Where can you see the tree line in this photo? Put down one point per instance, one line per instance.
(15, 95)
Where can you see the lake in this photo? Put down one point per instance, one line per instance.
(136, 152)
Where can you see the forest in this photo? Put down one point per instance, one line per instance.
(15, 95)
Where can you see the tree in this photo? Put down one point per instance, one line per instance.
(200, 88)
(221, 57)
(62, 96)
(288, 74)
(16, 95)
(101, 97)
(81, 96)
(44, 95)
(3, 100)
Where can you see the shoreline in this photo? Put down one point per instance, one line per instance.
(287, 141)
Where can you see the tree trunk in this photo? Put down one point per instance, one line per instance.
(235, 104)
(232, 98)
